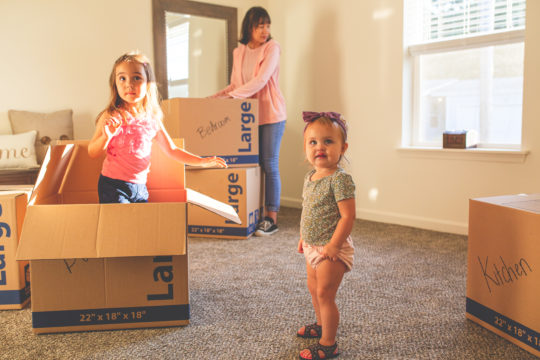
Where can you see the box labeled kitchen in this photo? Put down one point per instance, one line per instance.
(503, 274)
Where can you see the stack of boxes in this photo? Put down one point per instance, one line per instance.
(227, 128)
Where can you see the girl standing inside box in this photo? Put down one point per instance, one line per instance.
(126, 129)
(255, 75)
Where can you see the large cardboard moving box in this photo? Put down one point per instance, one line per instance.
(106, 266)
(14, 276)
(223, 127)
(238, 187)
(503, 275)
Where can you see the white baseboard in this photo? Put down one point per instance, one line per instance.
(396, 218)
(291, 202)
(414, 221)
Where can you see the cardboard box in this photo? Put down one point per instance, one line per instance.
(238, 187)
(106, 266)
(14, 275)
(503, 277)
(460, 139)
(223, 127)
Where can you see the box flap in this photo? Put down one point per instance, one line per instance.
(206, 202)
(11, 194)
(59, 232)
(165, 172)
(106, 230)
(51, 174)
(27, 189)
(142, 229)
(526, 202)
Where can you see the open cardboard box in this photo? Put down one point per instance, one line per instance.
(108, 266)
(503, 277)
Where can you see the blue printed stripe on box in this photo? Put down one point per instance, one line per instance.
(143, 314)
(503, 323)
(241, 159)
(12, 297)
(220, 230)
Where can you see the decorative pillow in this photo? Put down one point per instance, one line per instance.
(17, 151)
(53, 126)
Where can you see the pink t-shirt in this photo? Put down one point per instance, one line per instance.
(251, 57)
(128, 153)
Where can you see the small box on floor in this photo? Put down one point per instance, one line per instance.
(460, 139)
(238, 187)
(107, 266)
(227, 128)
(14, 275)
(503, 273)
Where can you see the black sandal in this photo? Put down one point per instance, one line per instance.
(327, 350)
(308, 331)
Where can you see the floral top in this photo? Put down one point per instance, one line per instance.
(128, 153)
(320, 212)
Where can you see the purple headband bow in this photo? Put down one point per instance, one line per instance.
(310, 116)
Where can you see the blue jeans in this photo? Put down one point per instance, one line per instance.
(112, 191)
(269, 143)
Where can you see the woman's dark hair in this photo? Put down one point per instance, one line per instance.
(254, 16)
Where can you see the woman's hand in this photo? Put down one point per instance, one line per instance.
(213, 161)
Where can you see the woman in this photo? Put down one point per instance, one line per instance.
(255, 75)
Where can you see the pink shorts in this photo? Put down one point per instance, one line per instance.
(314, 257)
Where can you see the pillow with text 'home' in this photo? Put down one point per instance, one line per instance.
(50, 127)
(17, 151)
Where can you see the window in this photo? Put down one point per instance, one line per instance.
(465, 65)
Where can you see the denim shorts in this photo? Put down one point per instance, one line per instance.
(113, 191)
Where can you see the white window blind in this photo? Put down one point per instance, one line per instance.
(436, 20)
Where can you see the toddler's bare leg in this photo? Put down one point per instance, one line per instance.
(312, 287)
(328, 278)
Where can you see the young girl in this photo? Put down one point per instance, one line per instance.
(125, 131)
(328, 213)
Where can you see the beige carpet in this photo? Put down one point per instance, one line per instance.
(405, 299)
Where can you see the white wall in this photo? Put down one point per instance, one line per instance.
(58, 54)
(346, 56)
(342, 55)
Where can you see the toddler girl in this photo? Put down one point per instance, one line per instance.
(328, 213)
(125, 131)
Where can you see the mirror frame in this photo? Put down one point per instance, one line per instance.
(159, 7)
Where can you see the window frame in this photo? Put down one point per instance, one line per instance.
(413, 54)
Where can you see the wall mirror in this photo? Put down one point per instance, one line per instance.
(193, 45)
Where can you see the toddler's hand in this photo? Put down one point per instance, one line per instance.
(213, 161)
(330, 251)
(300, 247)
(112, 126)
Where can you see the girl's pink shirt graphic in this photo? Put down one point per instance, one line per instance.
(128, 153)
